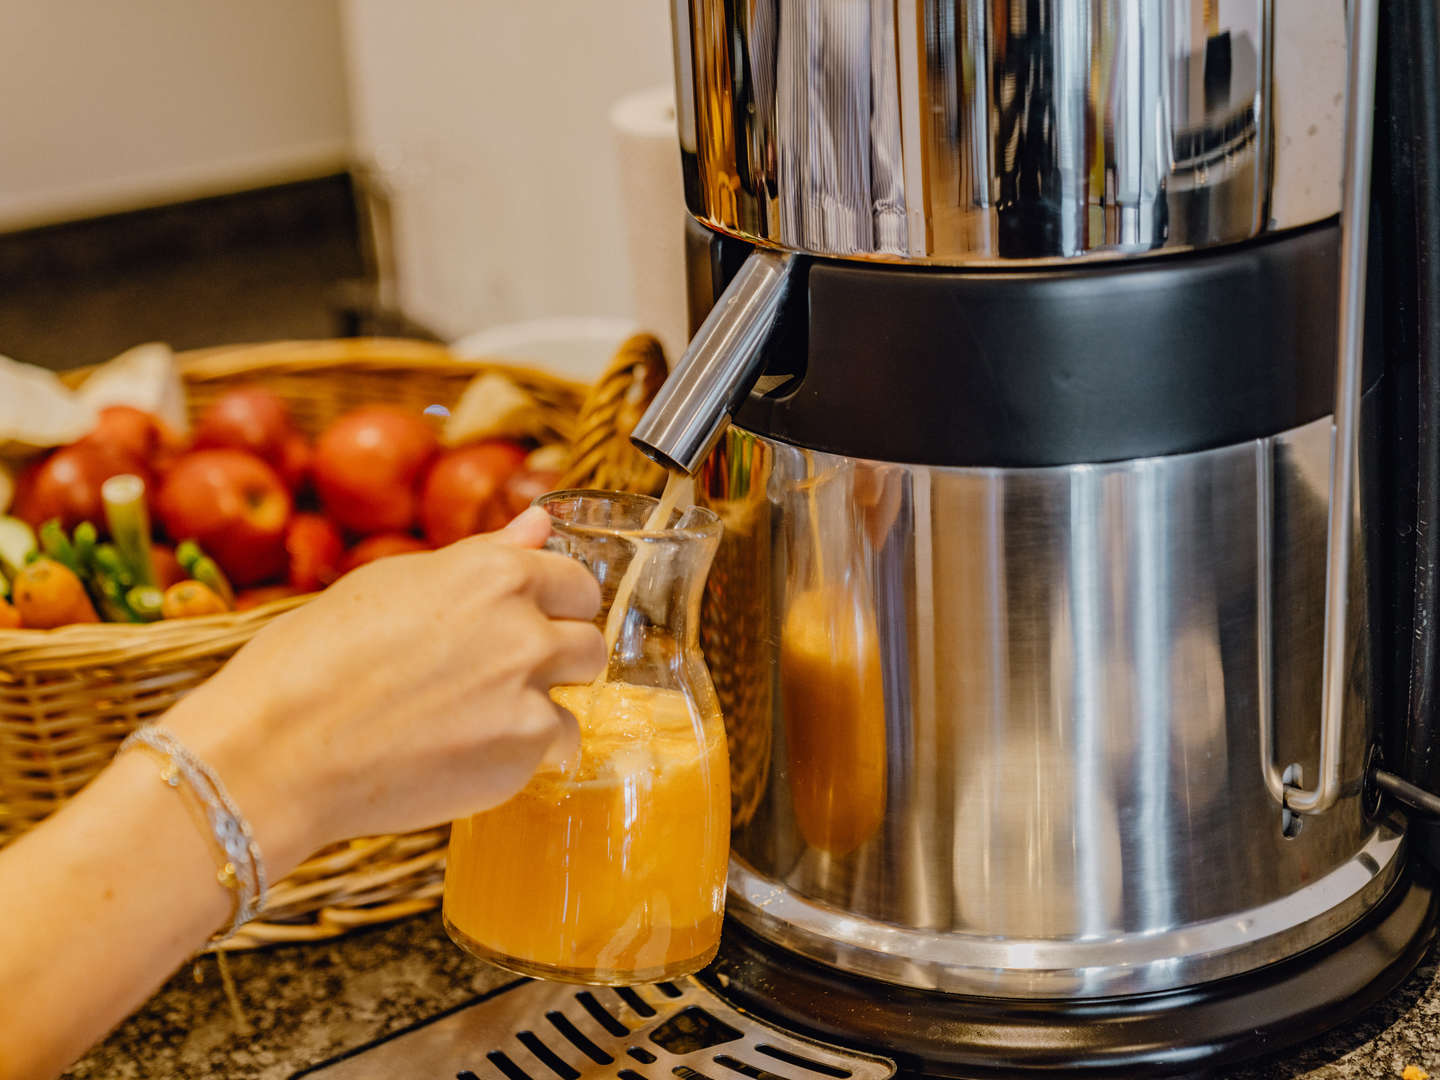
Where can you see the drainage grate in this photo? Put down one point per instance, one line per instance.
(551, 1031)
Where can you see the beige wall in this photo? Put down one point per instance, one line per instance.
(488, 120)
(112, 104)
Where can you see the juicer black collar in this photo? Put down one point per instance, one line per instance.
(1106, 362)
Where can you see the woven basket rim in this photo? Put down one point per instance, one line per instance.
(376, 353)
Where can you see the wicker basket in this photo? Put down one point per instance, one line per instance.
(68, 697)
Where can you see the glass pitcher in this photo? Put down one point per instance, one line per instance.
(613, 871)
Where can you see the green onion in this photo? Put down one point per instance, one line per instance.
(145, 601)
(129, 522)
(54, 543)
(206, 571)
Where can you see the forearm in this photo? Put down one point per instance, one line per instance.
(359, 713)
(102, 902)
(99, 905)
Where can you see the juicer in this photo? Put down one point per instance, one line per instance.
(1064, 374)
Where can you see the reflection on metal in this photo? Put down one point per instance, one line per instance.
(1073, 678)
(972, 131)
(1097, 965)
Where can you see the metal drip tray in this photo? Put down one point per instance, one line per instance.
(553, 1031)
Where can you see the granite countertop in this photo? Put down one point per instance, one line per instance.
(305, 1003)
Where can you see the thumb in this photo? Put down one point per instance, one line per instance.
(529, 530)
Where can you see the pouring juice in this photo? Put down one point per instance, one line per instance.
(614, 871)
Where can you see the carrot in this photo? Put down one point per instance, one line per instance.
(48, 594)
(9, 617)
(189, 598)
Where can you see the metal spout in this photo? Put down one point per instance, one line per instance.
(718, 369)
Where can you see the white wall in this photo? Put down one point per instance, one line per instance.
(488, 120)
(112, 104)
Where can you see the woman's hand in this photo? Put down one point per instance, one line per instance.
(411, 692)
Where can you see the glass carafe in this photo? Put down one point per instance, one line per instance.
(612, 869)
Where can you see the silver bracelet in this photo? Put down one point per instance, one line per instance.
(243, 871)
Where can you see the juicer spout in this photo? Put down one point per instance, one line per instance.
(719, 366)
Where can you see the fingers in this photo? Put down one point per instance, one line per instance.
(577, 654)
(529, 530)
(562, 587)
(563, 752)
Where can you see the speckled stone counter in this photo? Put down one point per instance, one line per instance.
(306, 1003)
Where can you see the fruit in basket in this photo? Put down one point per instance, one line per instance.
(368, 467)
(167, 568)
(379, 547)
(315, 550)
(527, 485)
(187, 599)
(9, 616)
(297, 463)
(48, 594)
(464, 491)
(235, 506)
(66, 484)
(246, 418)
(133, 433)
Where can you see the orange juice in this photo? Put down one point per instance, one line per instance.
(615, 873)
(834, 702)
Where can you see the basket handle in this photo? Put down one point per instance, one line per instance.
(600, 454)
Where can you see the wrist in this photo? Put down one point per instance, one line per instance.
(233, 736)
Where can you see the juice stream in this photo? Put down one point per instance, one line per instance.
(679, 494)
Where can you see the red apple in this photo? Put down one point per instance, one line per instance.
(66, 484)
(368, 467)
(464, 492)
(135, 433)
(168, 570)
(380, 546)
(297, 462)
(234, 506)
(315, 551)
(247, 418)
(527, 485)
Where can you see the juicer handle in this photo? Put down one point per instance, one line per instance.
(1363, 20)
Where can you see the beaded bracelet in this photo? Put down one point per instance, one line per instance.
(243, 870)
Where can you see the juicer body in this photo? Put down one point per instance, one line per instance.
(1073, 665)
(1038, 321)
